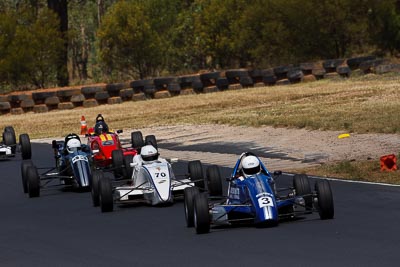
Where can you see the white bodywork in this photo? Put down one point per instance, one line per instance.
(5, 152)
(154, 182)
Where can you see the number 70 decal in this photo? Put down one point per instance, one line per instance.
(265, 202)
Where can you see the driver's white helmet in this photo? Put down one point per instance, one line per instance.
(251, 165)
(149, 153)
(73, 144)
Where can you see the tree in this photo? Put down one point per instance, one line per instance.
(29, 48)
(60, 7)
(129, 44)
(384, 18)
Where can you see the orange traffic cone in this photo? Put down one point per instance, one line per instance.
(83, 126)
(388, 163)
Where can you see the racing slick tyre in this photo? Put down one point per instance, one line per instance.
(137, 140)
(201, 216)
(96, 177)
(214, 181)
(128, 159)
(33, 181)
(195, 169)
(25, 144)
(118, 162)
(189, 194)
(325, 199)
(151, 140)
(301, 184)
(9, 129)
(24, 167)
(106, 195)
(9, 140)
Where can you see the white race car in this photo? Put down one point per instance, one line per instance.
(8, 147)
(149, 179)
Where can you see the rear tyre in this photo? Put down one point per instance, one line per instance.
(201, 214)
(301, 184)
(151, 140)
(24, 167)
(11, 130)
(195, 169)
(118, 162)
(325, 200)
(25, 143)
(96, 177)
(214, 181)
(128, 159)
(33, 181)
(106, 195)
(137, 140)
(9, 140)
(189, 194)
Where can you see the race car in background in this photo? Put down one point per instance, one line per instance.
(9, 146)
(107, 146)
(254, 198)
(73, 168)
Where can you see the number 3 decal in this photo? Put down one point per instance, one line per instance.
(265, 202)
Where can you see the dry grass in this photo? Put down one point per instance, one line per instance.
(365, 104)
(368, 171)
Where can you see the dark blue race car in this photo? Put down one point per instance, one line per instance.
(73, 161)
(252, 197)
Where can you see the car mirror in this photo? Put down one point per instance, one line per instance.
(133, 164)
(173, 160)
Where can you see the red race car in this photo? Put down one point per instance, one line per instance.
(107, 148)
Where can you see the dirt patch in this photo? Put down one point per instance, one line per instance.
(305, 145)
(281, 148)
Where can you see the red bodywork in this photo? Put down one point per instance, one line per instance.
(106, 144)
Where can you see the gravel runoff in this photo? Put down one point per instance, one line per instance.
(279, 148)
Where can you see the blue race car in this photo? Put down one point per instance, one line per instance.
(253, 198)
(73, 168)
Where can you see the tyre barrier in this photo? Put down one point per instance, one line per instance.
(330, 65)
(209, 82)
(281, 72)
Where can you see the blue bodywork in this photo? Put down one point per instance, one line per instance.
(74, 164)
(254, 199)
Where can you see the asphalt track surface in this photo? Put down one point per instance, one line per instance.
(63, 229)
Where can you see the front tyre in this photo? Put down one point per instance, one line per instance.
(33, 181)
(24, 168)
(96, 177)
(118, 162)
(9, 140)
(137, 140)
(128, 159)
(325, 199)
(25, 144)
(214, 181)
(195, 169)
(151, 140)
(106, 195)
(189, 194)
(301, 184)
(201, 214)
